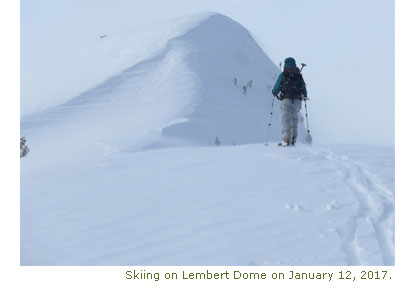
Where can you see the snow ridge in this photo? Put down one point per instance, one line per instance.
(94, 63)
(182, 93)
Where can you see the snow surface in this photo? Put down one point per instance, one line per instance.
(123, 169)
(95, 63)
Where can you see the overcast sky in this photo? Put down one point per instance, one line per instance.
(347, 45)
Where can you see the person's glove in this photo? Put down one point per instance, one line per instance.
(274, 94)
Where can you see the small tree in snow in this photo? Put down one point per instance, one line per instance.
(249, 83)
(217, 142)
(244, 89)
(235, 81)
(24, 149)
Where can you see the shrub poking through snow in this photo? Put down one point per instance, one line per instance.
(24, 149)
(217, 142)
(244, 89)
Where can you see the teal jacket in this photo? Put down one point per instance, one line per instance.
(279, 82)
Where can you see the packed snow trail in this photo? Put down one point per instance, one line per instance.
(376, 206)
(206, 206)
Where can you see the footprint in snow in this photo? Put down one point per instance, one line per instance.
(296, 207)
(333, 205)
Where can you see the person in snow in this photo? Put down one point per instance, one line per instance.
(292, 89)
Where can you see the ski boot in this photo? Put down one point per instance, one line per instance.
(293, 141)
(284, 143)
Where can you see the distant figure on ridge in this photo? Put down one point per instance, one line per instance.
(293, 90)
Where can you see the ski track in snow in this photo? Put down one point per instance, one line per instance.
(375, 205)
(360, 233)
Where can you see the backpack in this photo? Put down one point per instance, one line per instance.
(292, 84)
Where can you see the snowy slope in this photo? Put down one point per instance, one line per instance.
(183, 92)
(209, 206)
(224, 50)
(95, 63)
(94, 191)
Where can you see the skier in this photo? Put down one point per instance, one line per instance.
(293, 90)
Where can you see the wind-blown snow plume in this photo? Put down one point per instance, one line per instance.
(159, 85)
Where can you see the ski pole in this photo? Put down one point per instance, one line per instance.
(308, 137)
(270, 123)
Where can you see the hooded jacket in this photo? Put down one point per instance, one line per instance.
(277, 87)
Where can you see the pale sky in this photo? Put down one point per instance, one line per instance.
(347, 45)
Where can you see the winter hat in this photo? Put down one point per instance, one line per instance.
(289, 62)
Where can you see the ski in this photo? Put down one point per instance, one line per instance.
(286, 145)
